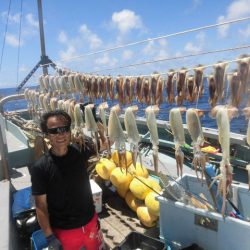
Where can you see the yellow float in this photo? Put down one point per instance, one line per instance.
(104, 167)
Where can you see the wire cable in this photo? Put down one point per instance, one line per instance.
(153, 39)
(4, 37)
(172, 58)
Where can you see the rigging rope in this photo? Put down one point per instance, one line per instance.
(19, 41)
(4, 37)
(174, 58)
(153, 39)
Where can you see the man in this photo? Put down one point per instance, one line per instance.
(61, 187)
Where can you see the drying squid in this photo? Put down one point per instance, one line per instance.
(198, 79)
(223, 116)
(246, 112)
(212, 88)
(132, 90)
(235, 85)
(127, 89)
(244, 72)
(77, 132)
(103, 88)
(145, 90)
(175, 121)
(116, 134)
(120, 90)
(110, 88)
(191, 96)
(102, 107)
(181, 86)
(159, 91)
(79, 85)
(139, 88)
(170, 87)
(153, 87)
(95, 87)
(91, 125)
(195, 131)
(220, 77)
(132, 131)
(152, 126)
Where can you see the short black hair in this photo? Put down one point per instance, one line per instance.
(46, 116)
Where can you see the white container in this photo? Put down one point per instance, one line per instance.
(185, 224)
(97, 195)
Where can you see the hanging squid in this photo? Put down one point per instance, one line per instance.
(220, 78)
(132, 131)
(102, 107)
(246, 112)
(198, 79)
(181, 86)
(195, 131)
(116, 135)
(151, 111)
(77, 132)
(175, 121)
(223, 116)
(235, 85)
(170, 87)
(91, 125)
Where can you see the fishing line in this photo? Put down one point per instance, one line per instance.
(4, 37)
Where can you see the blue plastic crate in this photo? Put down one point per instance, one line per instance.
(39, 240)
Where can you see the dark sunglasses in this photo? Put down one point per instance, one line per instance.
(58, 130)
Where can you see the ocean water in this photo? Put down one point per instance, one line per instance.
(238, 125)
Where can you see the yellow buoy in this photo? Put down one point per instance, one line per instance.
(116, 159)
(122, 191)
(139, 170)
(120, 179)
(132, 201)
(154, 184)
(138, 188)
(146, 218)
(104, 167)
(152, 204)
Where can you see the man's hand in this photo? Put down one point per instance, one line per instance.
(53, 243)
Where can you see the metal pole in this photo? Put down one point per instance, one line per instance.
(42, 41)
(3, 154)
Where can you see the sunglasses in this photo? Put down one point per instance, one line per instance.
(58, 130)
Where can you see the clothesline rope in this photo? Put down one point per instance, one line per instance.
(152, 39)
(175, 58)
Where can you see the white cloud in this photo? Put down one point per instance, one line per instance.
(13, 40)
(127, 54)
(245, 33)
(92, 38)
(106, 60)
(62, 37)
(237, 9)
(68, 54)
(126, 20)
(23, 69)
(191, 48)
(12, 18)
(31, 20)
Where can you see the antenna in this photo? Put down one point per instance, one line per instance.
(45, 60)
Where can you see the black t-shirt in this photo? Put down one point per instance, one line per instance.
(65, 181)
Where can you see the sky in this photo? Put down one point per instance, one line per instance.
(75, 28)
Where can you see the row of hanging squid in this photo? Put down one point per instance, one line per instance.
(179, 86)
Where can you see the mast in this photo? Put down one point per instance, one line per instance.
(45, 61)
(42, 40)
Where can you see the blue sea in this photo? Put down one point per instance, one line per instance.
(238, 125)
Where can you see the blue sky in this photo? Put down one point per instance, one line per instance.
(74, 28)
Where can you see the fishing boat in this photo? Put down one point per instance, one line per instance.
(160, 146)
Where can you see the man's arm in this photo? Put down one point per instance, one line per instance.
(43, 214)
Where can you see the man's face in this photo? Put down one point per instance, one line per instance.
(59, 140)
